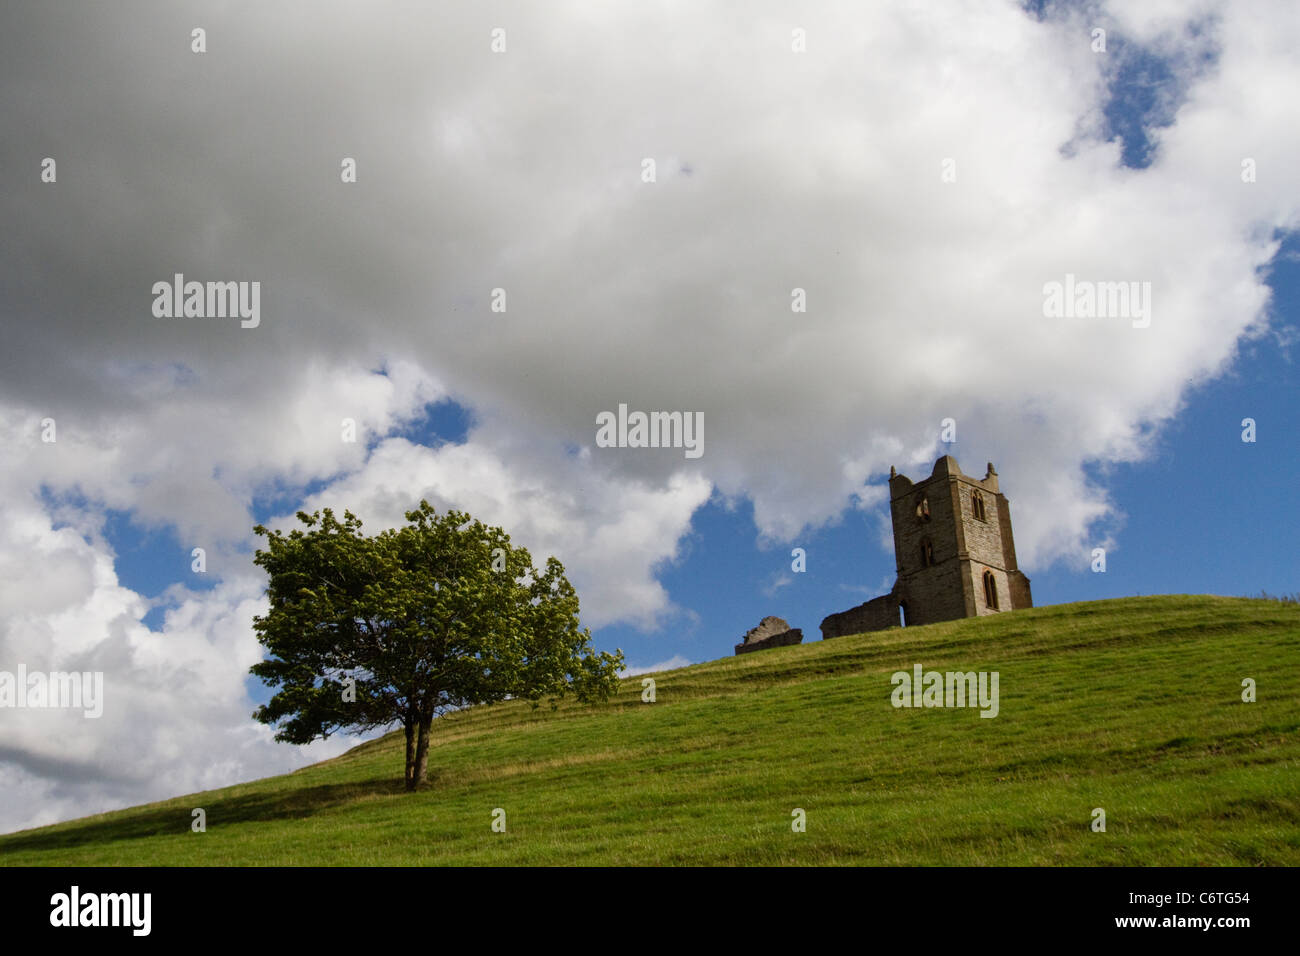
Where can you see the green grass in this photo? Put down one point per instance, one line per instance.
(1131, 705)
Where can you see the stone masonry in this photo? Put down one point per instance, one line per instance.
(770, 632)
(874, 615)
(954, 550)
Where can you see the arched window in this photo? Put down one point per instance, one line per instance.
(977, 505)
(922, 508)
(990, 591)
(927, 553)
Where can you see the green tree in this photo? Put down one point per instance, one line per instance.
(365, 632)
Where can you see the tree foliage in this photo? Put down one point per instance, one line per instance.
(403, 626)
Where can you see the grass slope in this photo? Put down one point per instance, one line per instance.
(1131, 705)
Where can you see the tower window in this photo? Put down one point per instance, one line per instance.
(922, 509)
(977, 505)
(990, 591)
(927, 553)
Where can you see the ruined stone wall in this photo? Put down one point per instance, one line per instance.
(874, 615)
(783, 639)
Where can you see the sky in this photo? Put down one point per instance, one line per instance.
(824, 229)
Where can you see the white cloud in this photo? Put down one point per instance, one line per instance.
(610, 534)
(818, 170)
(175, 717)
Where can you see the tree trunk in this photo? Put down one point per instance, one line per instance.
(410, 754)
(422, 752)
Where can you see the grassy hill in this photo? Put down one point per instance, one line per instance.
(1131, 705)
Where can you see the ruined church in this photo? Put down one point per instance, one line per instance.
(954, 550)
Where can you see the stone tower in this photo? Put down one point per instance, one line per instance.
(954, 549)
(953, 545)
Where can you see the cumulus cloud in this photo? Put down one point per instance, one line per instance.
(610, 534)
(175, 716)
(821, 171)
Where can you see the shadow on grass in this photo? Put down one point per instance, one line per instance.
(296, 803)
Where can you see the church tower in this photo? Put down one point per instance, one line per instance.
(955, 553)
(953, 545)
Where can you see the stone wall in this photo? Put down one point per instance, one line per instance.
(983, 538)
(770, 632)
(1021, 596)
(936, 592)
(784, 639)
(976, 584)
(874, 615)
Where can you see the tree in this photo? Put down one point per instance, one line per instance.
(400, 627)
